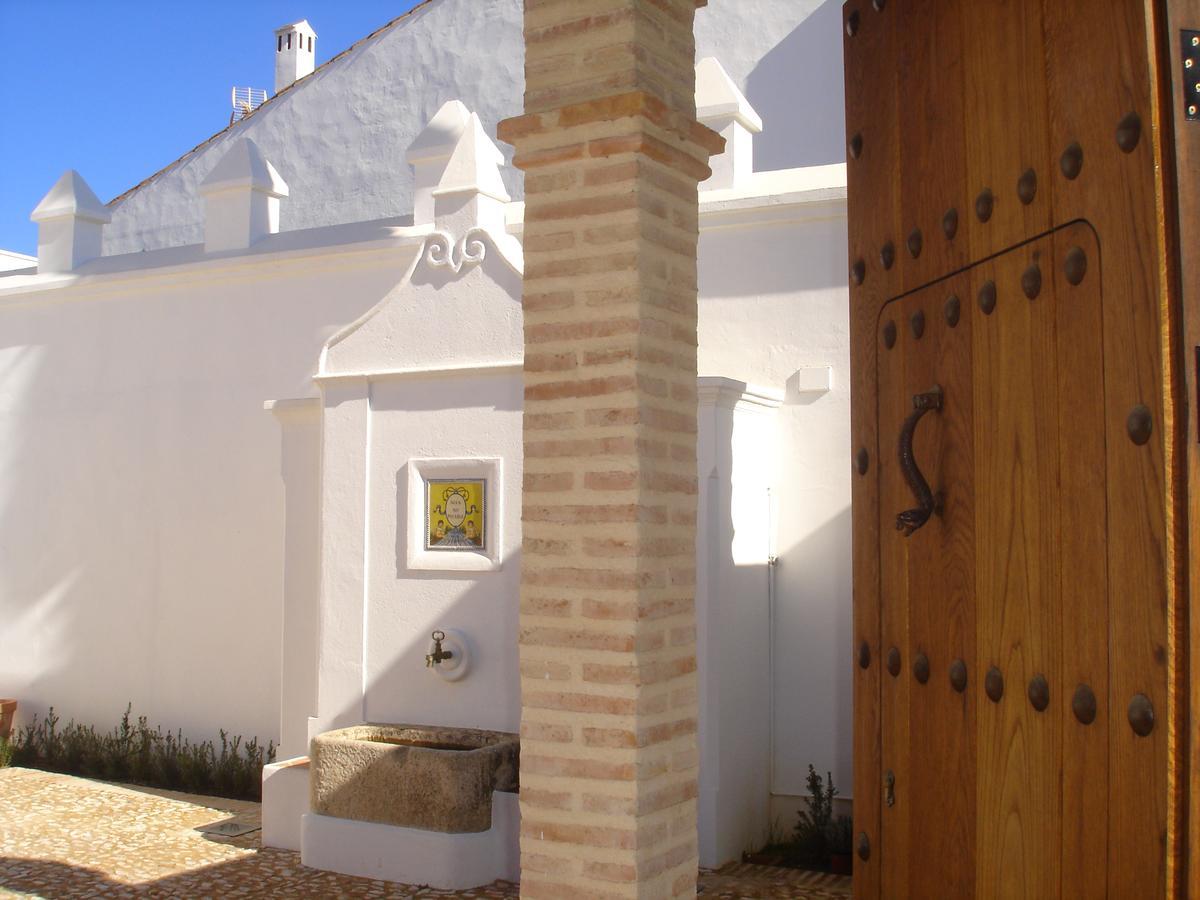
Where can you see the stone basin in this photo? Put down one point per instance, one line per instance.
(417, 776)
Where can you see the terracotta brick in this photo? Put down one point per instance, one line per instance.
(547, 301)
(595, 514)
(622, 872)
(554, 481)
(557, 421)
(545, 547)
(547, 865)
(633, 610)
(665, 731)
(610, 481)
(568, 767)
(588, 387)
(580, 449)
(610, 737)
(594, 579)
(545, 670)
(558, 240)
(647, 673)
(545, 732)
(533, 799)
(609, 805)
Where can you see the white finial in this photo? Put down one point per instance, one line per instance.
(241, 198)
(471, 191)
(430, 152)
(70, 221)
(725, 109)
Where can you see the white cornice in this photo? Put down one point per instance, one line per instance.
(329, 247)
(487, 368)
(729, 393)
(295, 409)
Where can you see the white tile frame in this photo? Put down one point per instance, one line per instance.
(489, 559)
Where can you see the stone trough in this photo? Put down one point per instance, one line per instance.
(415, 776)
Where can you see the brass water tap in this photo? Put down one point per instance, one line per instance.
(438, 654)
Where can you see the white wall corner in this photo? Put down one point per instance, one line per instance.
(241, 199)
(471, 192)
(431, 151)
(70, 221)
(724, 108)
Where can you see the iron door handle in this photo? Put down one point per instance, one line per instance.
(912, 519)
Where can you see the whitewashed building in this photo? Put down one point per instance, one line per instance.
(216, 390)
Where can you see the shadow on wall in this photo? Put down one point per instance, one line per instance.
(813, 672)
(797, 88)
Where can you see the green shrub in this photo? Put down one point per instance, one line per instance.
(6, 752)
(813, 825)
(135, 753)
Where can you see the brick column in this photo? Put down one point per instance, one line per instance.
(612, 155)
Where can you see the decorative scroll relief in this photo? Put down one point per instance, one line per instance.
(442, 251)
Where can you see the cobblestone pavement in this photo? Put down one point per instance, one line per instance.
(64, 837)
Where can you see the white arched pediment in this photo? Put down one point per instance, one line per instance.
(459, 305)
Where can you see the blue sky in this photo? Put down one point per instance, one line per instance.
(116, 89)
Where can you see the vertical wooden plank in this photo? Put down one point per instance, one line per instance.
(870, 128)
(1099, 73)
(940, 781)
(1005, 122)
(931, 143)
(895, 373)
(1083, 575)
(1017, 585)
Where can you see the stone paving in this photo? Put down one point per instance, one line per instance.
(73, 838)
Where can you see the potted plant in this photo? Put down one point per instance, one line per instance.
(840, 839)
(8, 709)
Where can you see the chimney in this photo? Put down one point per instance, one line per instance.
(70, 225)
(241, 199)
(295, 53)
(725, 109)
(430, 152)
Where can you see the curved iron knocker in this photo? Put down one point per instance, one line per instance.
(912, 519)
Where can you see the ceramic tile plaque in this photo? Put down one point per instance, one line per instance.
(455, 514)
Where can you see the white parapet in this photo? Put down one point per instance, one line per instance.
(241, 199)
(284, 802)
(430, 152)
(724, 108)
(70, 221)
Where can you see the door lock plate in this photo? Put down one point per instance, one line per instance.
(889, 783)
(1190, 56)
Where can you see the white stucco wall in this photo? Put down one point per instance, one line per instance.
(774, 312)
(142, 483)
(340, 135)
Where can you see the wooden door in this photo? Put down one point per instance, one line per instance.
(1018, 500)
